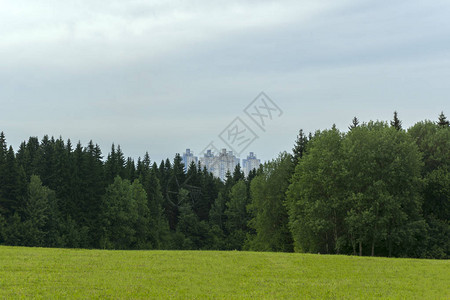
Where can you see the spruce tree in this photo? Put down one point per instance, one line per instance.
(3, 152)
(299, 147)
(355, 123)
(396, 123)
(130, 169)
(10, 183)
(3, 148)
(37, 214)
(238, 174)
(237, 216)
(443, 122)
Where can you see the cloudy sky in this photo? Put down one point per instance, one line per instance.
(163, 76)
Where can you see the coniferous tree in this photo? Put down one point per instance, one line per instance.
(37, 213)
(237, 216)
(193, 234)
(142, 223)
(11, 189)
(209, 192)
(3, 153)
(158, 229)
(299, 147)
(130, 169)
(355, 123)
(443, 122)
(268, 207)
(3, 148)
(115, 164)
(29, 156)
(396, 123)
(122, 222)
(238, 174)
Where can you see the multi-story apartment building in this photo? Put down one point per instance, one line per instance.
(188, 158)
(219, 164)
(250, 163)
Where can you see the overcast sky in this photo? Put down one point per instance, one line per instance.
(163, 76)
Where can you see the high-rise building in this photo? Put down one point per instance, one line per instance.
(250, 163)
(188, 158)
(219, 164)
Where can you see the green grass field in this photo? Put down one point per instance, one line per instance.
(62, 273)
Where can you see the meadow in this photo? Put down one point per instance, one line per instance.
(69, 273)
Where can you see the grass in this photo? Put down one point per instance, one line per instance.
(68, 273)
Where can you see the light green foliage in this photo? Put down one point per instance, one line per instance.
(64, 273)
(38, 216)
(316, 196)
(270, 218)
(124, 215)
(360, 188)
(383, 181)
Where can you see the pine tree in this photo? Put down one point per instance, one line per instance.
(3, 148)
(268, 207)
(299, 147)
(10, 183)
(443, 122)
(36, 213)
(3, 152)
(237, 216)
(130, 169)
(115, 164)
(158, 228)
(238, 174)
(118, 216)
(396, 123)
(355, 123)
(46, 167)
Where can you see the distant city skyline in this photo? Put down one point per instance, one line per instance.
(220, 162)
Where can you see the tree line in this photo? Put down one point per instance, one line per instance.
(376, 189)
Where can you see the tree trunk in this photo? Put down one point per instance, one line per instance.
(335, 233)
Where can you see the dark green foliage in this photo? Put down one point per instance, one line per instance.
(12, 183)
(37, 222)
(115, 164)
(443, 122)
(158, 228)
(237, 216)
(194, 233)
(433, 141)
(238, 174)
(299, 147)
(268, 207)
(355, 123)
(217, 215)
(396, 123)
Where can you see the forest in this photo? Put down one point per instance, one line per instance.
(376, 189)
